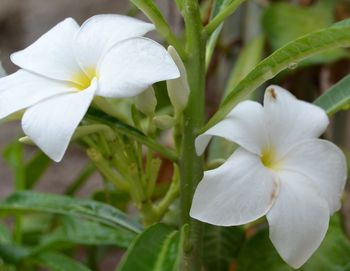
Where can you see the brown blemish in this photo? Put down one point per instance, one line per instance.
(273, 93)
(273, 195)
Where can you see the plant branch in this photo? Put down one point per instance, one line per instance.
(191, 166)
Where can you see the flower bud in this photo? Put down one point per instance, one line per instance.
(163, 122)
(146, 101)
(178, 89)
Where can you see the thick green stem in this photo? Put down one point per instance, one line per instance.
(149, 8)
(191, 166)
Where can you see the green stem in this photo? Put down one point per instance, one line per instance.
(191, 166)
(153, 13)
(223, 14)
(131, 132)
(172, 194)
(82, 178)
(103, 166)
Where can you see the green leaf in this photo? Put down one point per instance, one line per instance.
(72, 231)
(277, 20)
(211, 43)
(156, 249)
(59, 262)
(279, 30)
(336, 98)
(287, 56)
(334, 252)
(12, 253)
(35, 168)
(40, 202)
(258, 254)
(221, 246)
(116, 198)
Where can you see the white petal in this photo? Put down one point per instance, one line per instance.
(132, 65)
(99, 33)
(22, 89)
(290, 120)
(52, 54)
(298, 220)
(238, 192)
(51, 123)
(324, 164)
(245, 125)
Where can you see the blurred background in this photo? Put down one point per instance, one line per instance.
(272, 23)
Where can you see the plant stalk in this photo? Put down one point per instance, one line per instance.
(191, 166)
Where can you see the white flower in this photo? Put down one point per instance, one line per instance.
(66, 67)
(280, 170)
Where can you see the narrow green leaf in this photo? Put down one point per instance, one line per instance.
(156, 249)
(56, 204)
(287, 56)
(59, 262)
(72, 231)
(336, 98)
(220, 246)
(35, 168)
(211, 43)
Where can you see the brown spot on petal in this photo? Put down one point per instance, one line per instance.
(273, 93)
(274, 192)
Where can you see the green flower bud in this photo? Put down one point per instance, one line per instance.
(163, 122)
(178, 89)
(146, 102)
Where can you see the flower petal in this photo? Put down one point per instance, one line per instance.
(52, 54)
(51, 123)
(22, 89)
(99, 33)
(133, 65)
(290, 120)
(298, 220)
(244, 125)
(324, 164)
(238, 192)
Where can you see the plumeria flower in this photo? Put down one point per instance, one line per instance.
(66, 67)
(281, 170)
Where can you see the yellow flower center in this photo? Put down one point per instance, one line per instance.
(268, 158)
(82, 79)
